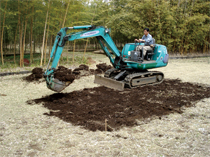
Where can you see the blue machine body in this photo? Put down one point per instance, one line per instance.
(160, 57)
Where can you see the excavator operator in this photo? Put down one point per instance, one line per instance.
(147, 39)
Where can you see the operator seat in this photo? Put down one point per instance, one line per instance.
(149, 53)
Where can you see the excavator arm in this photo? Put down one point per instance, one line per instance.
(88, 31)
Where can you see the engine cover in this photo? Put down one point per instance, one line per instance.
(135, 56)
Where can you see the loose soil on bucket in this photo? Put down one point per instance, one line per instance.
(91, 107)
(64, 74)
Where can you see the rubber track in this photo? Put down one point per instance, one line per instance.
(129, 78)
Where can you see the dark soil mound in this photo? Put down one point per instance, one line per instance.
(81, 67)
(37, 73)
(90, 107)
(101, 68)
(64, 74)
(83, 70)
(84, 67)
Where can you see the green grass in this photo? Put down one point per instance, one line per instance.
(77, 60)
(9, 61)
(10, 64)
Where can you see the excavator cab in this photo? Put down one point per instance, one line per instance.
(138, 56)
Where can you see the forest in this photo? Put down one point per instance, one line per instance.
(28, 27)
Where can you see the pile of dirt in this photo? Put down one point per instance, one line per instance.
(65, 74)
(91, 107)
(82, 67)
(37, 74)
(101, 68)
(82, 70)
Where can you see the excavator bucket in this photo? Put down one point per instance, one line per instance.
(57, 85)
(110, 83)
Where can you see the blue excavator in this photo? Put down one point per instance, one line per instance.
(130, 66)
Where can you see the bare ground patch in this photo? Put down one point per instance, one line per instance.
(26, 131)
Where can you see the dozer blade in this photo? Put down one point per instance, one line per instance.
(57, 85)
(110, 83)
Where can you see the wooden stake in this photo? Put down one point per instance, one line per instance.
(106, 124)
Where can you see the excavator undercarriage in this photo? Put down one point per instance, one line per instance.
(120, 79)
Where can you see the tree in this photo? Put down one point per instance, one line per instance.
(2, 34)
(24, 38)
(182, 25)
(31, 37)
(44, 34)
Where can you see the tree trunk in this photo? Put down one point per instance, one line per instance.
(24, 38)
(204, 48)
(15, 43)
(31, 34)
(34, 37)
(2, 34)
(0, 27)
(20, 43)
(44, 34)
(192, 7)
(50, 48)
(10, 47)
(21, 32)
(185, 7)
(64, 20)
(46, 42)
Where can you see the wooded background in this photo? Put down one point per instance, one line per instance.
(30, 26)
